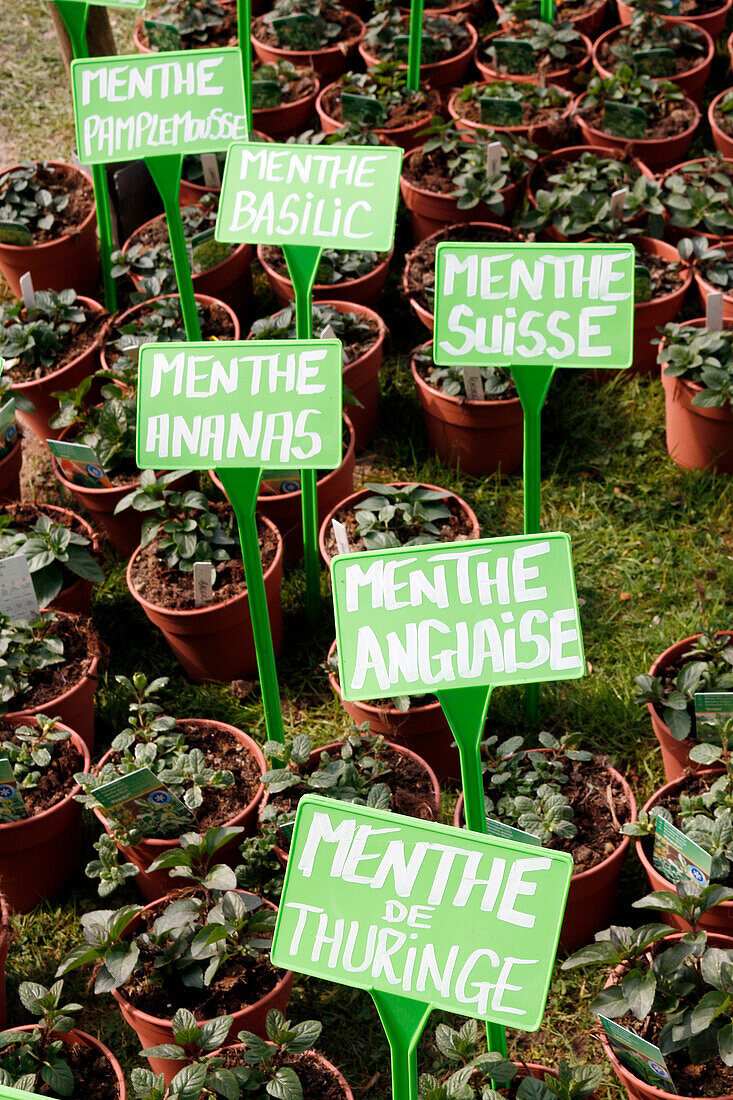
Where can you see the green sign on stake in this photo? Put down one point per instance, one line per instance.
(160, 106)
(16, 1094)
(306, 198)
(236, 406)
(422, 916)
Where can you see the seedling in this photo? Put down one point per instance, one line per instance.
(26, 648)
(32, 1059)
(37, 335)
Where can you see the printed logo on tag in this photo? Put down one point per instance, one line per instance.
(643, 1059)
(677, 857)
(12, 806)
(8, 427)
(140, 799)
(79, 463)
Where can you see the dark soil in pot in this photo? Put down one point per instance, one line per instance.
(94, 1075)
(665, 278)
(350, 28)
(215, 321)
(298, 87)
(172, 589)
(225, 35)
(62, 179)
(684, 59)
(552, 117)
(54, 781)
(80, 338)
(403, 114)
(81, 645)
(458, 527)
(318, 1082)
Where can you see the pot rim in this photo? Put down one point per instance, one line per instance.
(369, 707)
(431, 67)
(644, 143)
(509, 129)
(30, 719)
(551, 75)
(236, 251)
(16, 249)
(709, 44)
(341, 47)
(390, 131)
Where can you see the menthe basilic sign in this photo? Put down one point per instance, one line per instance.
(337, 197)
(240, 405)
(456, 615)
(397, 906)
(560, 305)
(190, 101)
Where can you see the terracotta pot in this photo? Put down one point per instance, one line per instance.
(328, 62)
(289, 118)
(285, 509)
(697, 438)
(636, 1089)
(423, 729)
(436, 74)
(229, 282)
(673, 232)
(712, 21)
(66, 378)
(592, 895)
(201, 637)
(334, 746)
(154, 1030)
(563, 77)
(10, 473)
(157, 884)
(656, 153)
(430, 211)
(364, 291)
(650, 316)
(588, 23)
(540, 132)
(4, 933)
(40, 854)
(73, 597)
(190, 192)
(723, 142)
(675, 754)
(478, 437)
(69, 1038)
(68, 261)
(348, 503)
(717, 919)
(704, 288)
(691, 81)
(407, 137)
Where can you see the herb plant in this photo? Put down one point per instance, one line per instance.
(351, 133)
(715, 265)
(323, 30)
(387, 83)
(449, 380)
(196, 20)
(648, 31)
(109, 428)
(441, 36)
(353, 774)
(31, 749)
(38, 335)
(338, 265)
(699, 196)
(349, 328)
(406, 516)
(25, 202)
(26, 648)
(702, 357)
(551, 43)
(657, 98)
(32, 1059)
(52, 552)
(534, 96)
(707, 666)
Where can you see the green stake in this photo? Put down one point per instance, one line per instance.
(244, 23)
(415, 45)
(166, 173)
(74, 15)
(547, 10)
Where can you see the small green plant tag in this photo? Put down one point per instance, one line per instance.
(8, 427)
(677, 857)
(362, 881)
(140, 800)
(295, 32)
(656, 62)
(266, 93)
(714, 707)
(515, 55)
(623, 120)
(496, 111)
(79, 463)
(508, 832)
(361, 108)
(162, 36)
(16, 234)
(12, 806)
(643, 1059)
(196, 242)
(642, 283)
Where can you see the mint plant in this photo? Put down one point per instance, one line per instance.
(351, 133)
(322, 30)
(406, 516)
(31, 750)
(713, 264)
(197, 21)
(24, 201)
(554, 46)
(53, 552)
(30, 1060)
(441, 36)
(37, 336)
(353, 774)
(387, 83)
(699, 196)
(449, 380)
(109, 428)
(657, 98)
(648, 31)
(707, 666)
(335, 265)
(533, 96)
(350, 328)
(25, 649)
(702, 357)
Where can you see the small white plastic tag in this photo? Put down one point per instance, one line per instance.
(27, 291)
(342, 539)
(473, 382)
(203, 583)
(714, 311)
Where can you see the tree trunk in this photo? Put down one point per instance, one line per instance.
(99, 33)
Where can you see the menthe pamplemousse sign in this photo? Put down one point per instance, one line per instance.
(451, 615)
(391, 904)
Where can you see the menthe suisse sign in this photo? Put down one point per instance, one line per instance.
(464, 922)
(186, 101)
(450, 615)
(338, 196)
(231, 404)
(559, 305)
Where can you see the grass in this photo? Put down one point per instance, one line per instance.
(651, 544)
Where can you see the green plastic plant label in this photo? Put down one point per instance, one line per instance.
(624, 120)
(677, 857)
(12, 806)
(559, 305)
(713, 706)
(655, 62)
(361, 108)
(79, 463)
(8, 427)
(15, 1094)
(514, 55)
(445, 616)
(266, 93)
(18, 598)
(336, 197)
(643, 1059)
(509, 832)
(140, 800)
(642, 283)
(162, 36)
(240, 404)
(464, 922)
(295, 32)
(15, 233)
(496, 111)
(148, 105)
